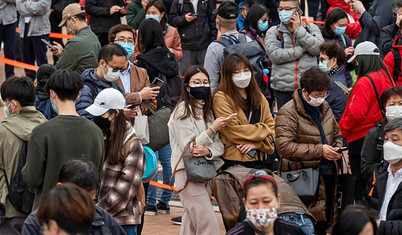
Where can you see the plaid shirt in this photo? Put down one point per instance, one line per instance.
(120, 184)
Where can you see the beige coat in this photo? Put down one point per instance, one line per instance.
(182, 131)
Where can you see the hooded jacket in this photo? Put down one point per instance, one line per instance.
(43, 103)
(88, 94)
(103, 224)
(14, 130)
(389, 59)
(285, 50)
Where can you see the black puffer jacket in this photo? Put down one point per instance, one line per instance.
(372, 153)
(387, 37)
(375, 198)
(199, 33)
(100, 19)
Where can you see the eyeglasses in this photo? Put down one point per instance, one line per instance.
(114, 69)
(317, 97)
(287, 8)
(199, 84)
(122, 40)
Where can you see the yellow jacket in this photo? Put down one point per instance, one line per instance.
(238, 131)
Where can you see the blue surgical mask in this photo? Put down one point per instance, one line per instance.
(323, 65)
(340, 30)
(285, 16)
(155, 17)
(263, 25)
(54, 108)
(347, 1)
(128, 47)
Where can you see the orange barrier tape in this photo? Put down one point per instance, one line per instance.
(18, 64)
(55, 35)
(313, 22)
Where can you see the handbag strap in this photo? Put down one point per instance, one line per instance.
(149, 107)
(128, 143)
(293, 159)
(192, 141)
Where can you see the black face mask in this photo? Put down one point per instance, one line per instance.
(200, 93)
(102, 123)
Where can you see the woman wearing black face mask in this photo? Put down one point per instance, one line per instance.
(193, 119)
(124, 161)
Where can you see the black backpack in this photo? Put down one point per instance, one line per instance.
(21, 196)
(253, 52)
(397, 64)
(170, 91)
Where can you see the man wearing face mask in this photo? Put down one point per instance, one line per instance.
(308, 136)
(389, 33)
(21, 118)
(134, 81)
(112, 61)
(67, 136)
(385, 195)
(292, 48)
(81, 51)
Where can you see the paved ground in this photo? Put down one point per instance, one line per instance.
(161, 224)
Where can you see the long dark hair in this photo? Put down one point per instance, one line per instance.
(334, 16)
(254, 14)
(150, 36)
(161, 8)
(189, 102)
(228, 87)
(352, 221)
(370, 63)
(115, 139)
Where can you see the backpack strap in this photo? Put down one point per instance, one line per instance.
(279, 36)
(181, 6)
(227, 40)
(128, 143)
(379, 139)
(376, 93)
(397, 64)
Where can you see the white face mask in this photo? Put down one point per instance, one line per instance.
(242, 80)
(392, 152)
(262, 217)
(6, 111)
(392, 112)
(111, 76)
(315, 102)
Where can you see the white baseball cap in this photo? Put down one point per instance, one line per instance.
(108, 98)
(365, 48)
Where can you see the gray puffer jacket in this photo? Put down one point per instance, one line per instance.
(285, 50)
(39, 11)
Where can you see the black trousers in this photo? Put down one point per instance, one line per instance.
(8, 37)
(355, 148)
(33, 49)
(282, 98)
(55, 19)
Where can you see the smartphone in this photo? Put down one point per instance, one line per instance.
(232, 115)
(194, 14)
(342, 149)
(131, 106)
(342, 86)
(52, 47)
(252, 153)
(157, 82)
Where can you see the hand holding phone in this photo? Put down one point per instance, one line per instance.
(232, 115)
(157, 82)
(340, 150)
(51, 46)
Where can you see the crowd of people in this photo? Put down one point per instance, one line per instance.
(249, 101)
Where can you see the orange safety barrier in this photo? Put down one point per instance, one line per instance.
(56, 35)
(313, 22)
(18, 64)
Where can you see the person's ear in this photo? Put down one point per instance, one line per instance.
(163, 13)
(78, 96)
(52, 94)
(335, 62)
(52, 226)
(58, 184)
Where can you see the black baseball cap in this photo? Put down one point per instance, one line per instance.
(228, 10)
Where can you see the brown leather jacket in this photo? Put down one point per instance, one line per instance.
(227, 188)
(138, 80)
(297, 136)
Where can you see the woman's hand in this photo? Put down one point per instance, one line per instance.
(328, 152)
(349, 51)
(220, 122)
(245, 148)
(200, 151)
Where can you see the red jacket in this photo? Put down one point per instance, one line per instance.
(389, 60)
(362, 109)
(352, 29)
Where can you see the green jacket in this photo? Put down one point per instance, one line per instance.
(81, 52)
(13, 131)
(135, 14)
